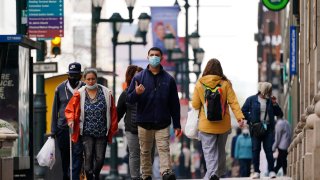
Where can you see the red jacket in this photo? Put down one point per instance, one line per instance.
(73, 113)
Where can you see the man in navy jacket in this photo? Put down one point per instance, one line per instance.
(155, 92)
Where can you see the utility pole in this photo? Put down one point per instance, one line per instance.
(93, 37)
(39, 113)
(186, 6)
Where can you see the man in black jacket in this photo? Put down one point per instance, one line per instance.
(155, 93)
(59, 127)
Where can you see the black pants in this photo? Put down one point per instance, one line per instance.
(63, 140)
(94, 154)
(282, 161)
(245, 166)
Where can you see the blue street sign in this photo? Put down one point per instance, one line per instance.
(293, 50)
(45, 18)
(11, 38)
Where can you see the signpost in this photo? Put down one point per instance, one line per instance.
(45, 18)
(293, 50)
(40, 68)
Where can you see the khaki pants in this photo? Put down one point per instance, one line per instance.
(146, 138)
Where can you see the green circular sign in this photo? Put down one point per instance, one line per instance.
(275, 5)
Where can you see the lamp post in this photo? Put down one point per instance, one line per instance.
(143, 26)
(116, 21)
(182, 63)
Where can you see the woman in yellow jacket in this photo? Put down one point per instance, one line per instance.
(213, 134)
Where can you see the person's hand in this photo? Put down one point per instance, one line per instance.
(274, 100)
(178, 132)
(70, 124)
(139, 88)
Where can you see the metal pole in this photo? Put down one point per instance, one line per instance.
(39, 114)
(130, 53)
(198, 16)
(21, 5)
(187, 50)
(93, 38)
(114, 175)
(31, 134)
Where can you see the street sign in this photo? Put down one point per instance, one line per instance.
(39, 68)
(11, 38)
(45, 18)
(293, 50)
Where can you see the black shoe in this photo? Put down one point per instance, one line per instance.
(148, 178)
(137, 178)
(168, 175)
(214, 177)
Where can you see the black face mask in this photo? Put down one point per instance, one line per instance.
(73, 81)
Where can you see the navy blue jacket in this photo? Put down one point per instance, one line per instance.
(251, 110)
(159, 102)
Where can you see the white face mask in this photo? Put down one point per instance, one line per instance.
(92, 87)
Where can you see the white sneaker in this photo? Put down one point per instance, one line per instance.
(256, 175)
(272, 175)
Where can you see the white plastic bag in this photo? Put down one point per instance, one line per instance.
(191, 128)
(46, 156)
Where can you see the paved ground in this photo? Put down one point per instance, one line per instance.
(263, 178)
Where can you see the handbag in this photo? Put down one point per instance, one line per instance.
(191, 128)
(259, 129)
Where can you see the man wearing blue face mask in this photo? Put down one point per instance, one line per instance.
(156, 95)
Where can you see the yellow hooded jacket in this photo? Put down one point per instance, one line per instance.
(228, 94)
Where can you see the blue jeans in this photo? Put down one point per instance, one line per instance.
(63, 141)
(267, 141)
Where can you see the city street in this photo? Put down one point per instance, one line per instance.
(199, 86)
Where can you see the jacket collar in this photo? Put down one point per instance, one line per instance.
(161, 69)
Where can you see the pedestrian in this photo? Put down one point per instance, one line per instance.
(59, 127)
(131, 129)
(213, 134)
(235, 163)
(283, 135)
(92, 115)
(260, 109)
(155, 92)
(243, 152)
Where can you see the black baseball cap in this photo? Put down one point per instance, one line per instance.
(74, 68)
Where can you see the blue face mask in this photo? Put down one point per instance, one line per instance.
(154, 61)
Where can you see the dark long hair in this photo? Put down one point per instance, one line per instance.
(131, 71)
(213, 67)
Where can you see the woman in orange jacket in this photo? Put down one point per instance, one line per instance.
(92, 115)
(213, 134)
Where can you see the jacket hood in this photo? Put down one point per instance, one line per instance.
(210, 80)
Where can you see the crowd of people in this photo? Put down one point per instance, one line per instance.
(85, 113)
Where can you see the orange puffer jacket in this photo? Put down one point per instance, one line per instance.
(74, 112)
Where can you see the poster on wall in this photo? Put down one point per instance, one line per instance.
(14, 94)
(164, 20)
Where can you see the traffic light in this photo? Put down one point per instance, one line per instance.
(56, 46)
